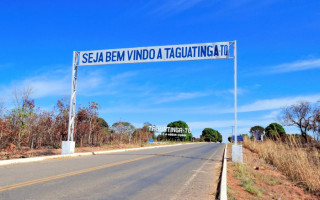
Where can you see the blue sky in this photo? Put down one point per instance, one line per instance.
(278, 58)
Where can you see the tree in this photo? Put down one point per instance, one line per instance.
(23, 110)
(257, 132)
(211, 135)
(102, 123)
(299, 115)
(146, 128)
(184, 131)
(219, 137)
(5, 133)
(275, 131)
(315, 125)
(61, 121)
(104, 133)
(87, 124)
(141, 135)
(44, 130)
(93, 114)
(123, 129)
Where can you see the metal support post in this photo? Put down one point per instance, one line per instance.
(235, 90)
(236, 149)
(72, 111)
(68, 146)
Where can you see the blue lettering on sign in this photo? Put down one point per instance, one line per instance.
(145, 54)
(159, 56)
(171, 53)
(149, 53)
(216, 51)
(95, 60)
(108, 56)
(194, 50)
(226, 50)
(85, 58)
(120, 57)
(203, 51)
(90, 58)
(114, 55)
(189, 52)
(178, 52)
(100, 57)
(152, 54)
(222, 49)
(184, 52)
(138, 54)
(130, 54)
(210, 51)
(167, 52)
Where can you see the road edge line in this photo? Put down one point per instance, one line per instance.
(223, 182)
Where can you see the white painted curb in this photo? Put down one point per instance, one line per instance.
(41, 158)
(223, 183)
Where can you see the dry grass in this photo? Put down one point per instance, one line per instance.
(299, 162)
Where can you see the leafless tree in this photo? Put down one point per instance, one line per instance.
(316, 123)
(299, 115)
(123, 129)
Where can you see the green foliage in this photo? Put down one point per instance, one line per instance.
(275, 131)
(56, 145)
(209, 134)
(184, 126)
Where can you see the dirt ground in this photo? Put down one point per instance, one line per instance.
(256, 179)
(26, 153)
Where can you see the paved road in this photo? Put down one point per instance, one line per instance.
(177, 172)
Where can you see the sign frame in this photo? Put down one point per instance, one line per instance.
(76, 63)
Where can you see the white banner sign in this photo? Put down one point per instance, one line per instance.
(204, 51)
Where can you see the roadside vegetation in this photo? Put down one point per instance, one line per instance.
(26, 127)
(246, 179)
(210, 135)
(295, 155)
(258, 179)
(299, 162)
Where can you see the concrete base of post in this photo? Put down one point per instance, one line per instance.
(68, 147)
(237, 153)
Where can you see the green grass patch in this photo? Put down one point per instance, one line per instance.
(247, 181)
(230, 190)
(269, 180)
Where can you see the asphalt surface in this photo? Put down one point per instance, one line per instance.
(177, 172)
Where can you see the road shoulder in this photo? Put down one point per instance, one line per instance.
(255, 179)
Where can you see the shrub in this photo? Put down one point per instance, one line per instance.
(275, 132)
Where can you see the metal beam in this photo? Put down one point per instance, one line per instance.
(235, 90)
(72, 111)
